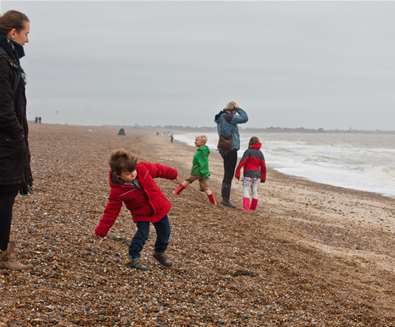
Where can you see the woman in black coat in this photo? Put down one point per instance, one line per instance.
(15, 173)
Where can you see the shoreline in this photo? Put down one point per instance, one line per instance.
(273, 130)
(324, 185)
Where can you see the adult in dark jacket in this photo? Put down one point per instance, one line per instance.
(15, 173)
(229, 143)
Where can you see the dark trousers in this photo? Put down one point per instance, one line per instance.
(6, 203)
(230, 161)
(162, 237)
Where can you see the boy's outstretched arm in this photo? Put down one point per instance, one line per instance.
(162, 171)
(111, 212)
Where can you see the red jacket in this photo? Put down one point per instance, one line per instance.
(145, 204)
(253, 163)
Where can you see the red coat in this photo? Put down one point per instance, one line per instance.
(145, 204)
(253, 163)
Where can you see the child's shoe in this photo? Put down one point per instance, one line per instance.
(212, 199)
(246, 204)
(162, 259)
(136, 264)
(179, 188)
(254, 204)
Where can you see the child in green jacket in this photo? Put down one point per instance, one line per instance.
(200, 170)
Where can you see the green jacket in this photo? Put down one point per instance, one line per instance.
(200, 162)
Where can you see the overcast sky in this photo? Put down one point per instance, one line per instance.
(311, 64)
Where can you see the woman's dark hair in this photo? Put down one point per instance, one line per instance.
(122, 160)
(12, 19)
(253, 140)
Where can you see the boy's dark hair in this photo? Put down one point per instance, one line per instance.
(253, 140)
(122, 160)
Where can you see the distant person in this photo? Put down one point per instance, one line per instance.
(229, 143)
(36, 120)
(132, 183)
(15, 173)
(171, 138)
(200, 170)
(254, 173)
(121, 132)
(39, 120)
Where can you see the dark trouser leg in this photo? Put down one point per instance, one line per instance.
(230, 161)
(139, 239)
(162, 234)
(6, 204)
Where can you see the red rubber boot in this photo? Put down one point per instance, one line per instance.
(254, 204)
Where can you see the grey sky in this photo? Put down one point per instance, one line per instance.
(289, 64)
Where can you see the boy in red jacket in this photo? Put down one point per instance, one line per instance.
(132, 183)
(254, 171)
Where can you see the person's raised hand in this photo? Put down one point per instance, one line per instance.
(235, 104)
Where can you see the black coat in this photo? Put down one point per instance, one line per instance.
(15, 172)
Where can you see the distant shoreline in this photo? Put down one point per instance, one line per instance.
(284, 130)
(271, 130)
(246, 129)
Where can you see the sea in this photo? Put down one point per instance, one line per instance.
(360, 161)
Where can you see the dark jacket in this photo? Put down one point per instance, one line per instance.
(15, 172)
(253, 163)
(145, 203)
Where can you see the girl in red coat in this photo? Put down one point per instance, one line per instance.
(132, 183)
(254, 171)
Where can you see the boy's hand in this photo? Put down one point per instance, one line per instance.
(97, 239)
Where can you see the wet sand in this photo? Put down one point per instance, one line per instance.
(312, 255)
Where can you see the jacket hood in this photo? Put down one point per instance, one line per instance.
(217, 116)
(256, 146)
(228, 116)
(204, 149)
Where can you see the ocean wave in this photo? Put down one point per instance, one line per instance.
(363, 166)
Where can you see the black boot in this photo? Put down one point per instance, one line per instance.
(162, 259)
(228, 204)
(225, 191)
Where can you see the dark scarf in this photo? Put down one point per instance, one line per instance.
(13, 49)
